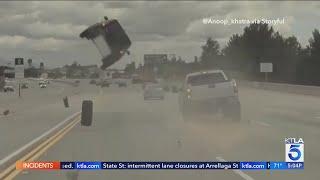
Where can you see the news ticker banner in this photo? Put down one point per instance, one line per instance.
(94, 165)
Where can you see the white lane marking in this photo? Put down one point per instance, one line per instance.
(318, 117)
(237, 171)
(263, 124)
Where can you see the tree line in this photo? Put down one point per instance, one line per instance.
(244, 52)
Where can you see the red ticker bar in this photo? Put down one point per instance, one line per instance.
(38, 165)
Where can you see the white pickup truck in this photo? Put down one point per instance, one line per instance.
(209, 92)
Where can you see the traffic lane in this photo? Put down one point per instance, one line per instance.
(18, 130)
(281, 107)
(199, 140)
(260, 143)
(150, 131)
(36, 117)
(35, 97)
(34, 94)
(271, 117)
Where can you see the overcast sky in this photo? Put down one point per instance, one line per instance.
(49, 31)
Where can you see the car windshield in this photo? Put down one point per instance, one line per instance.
(205, 79)
(139, 90)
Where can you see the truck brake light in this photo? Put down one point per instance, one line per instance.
(235, 88)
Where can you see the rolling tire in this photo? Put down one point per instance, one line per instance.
(66, 102)
(86, 114)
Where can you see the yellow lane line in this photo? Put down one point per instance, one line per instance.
(11, 171)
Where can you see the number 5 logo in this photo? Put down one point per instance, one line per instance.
(294, 149)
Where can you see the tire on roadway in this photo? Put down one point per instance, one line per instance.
(86, 114)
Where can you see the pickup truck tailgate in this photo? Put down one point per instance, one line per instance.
(204, 86)
(210, 91)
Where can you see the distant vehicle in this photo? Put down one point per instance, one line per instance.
(77, 81)
(47, 81)
(24, 86)
(120, 82)
(93, 81)
(210, 91)
(110, 39)
(153, 91)
(8, 89)
(136, 79)
(105, 83)
(166, 88)
(98, 83)
(43, 85)
(145, 83)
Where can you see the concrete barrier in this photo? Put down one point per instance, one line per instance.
(64, 81)
(281, 87)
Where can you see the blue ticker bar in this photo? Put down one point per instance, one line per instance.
(278, 165)
(295, 165)
(286, 165)
(253, 165)
(170, 165)
(67, 165)
(88, 165)
(208, 165)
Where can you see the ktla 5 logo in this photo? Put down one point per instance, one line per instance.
(294, 150)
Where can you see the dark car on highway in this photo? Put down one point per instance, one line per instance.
(24, 86)
(105, 83)
(93, 81)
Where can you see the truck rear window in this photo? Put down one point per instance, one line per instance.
(204, 79)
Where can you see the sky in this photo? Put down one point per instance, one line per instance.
(48, 31)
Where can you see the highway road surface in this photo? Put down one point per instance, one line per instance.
(127, 128)
(36, 111)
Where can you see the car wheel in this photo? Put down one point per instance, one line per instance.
(86, 114)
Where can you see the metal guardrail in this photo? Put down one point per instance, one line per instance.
(281, 87)
(16, 155)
